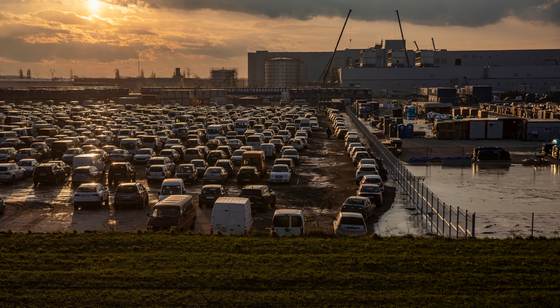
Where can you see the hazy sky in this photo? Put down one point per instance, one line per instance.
(94, 37)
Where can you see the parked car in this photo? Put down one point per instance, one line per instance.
(171, 154)
(87, 174)
(359, 155)
(228, 165)
(210, 193)
(120, 155)
(7, 154)
(365, 170)
(48, 172)
(62, 165)
(161, 160)
(157, 173)
(359, 204)
(234, 144)
(121, 172)
(176, 212)
(12, 143)
(29, 165)
(130, 194)
(187, 172)
(201, 165)
(11, 172)
(91, 194)
(237, 157)
(215, 175)
(214, 156)
(143, 155)
(350, 223)
(193, 153)
(248, 175)
(293, 154)
(261, 196)
(286, 161)
(28, 153)
(68, 156)
(373, 179)
(280, 174)
(371, 191)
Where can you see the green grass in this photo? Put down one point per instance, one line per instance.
(128, 269)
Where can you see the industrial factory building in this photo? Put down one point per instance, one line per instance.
(388, 70)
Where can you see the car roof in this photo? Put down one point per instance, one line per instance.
(212, 186)
(351, 214)
(254, 186)
(288, 211)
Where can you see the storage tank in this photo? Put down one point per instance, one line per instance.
(281, 72)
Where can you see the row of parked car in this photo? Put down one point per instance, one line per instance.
(356, 210)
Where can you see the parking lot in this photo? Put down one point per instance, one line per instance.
(324, 179)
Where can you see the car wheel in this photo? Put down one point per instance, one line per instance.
(76, 207)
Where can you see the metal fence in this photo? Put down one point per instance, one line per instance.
(442, 219)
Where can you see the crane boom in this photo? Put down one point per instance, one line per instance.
(402, 35)
(325, 73)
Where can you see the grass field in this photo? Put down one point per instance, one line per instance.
(144, 269)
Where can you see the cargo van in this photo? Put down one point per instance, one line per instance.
(256, 159)
(255, 141)
(288, 222)
(60, 147)
(132, 145)
(170, 187)
(153, 142)
(231, 215)
(91, 159)
(214, 131)
(175, 212)
(269, 150)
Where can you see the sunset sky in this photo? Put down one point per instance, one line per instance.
(95, 37)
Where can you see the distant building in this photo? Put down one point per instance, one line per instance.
(28, 83)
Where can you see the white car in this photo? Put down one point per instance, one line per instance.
(91, 194)
(296, 144)
(157, 173)
(303, 141)
(365, 170)
(29, 164)
(293, 154)
(143, 155)
(280, 174)
(161, 160)
(11, 172)
(172, 142)
(350, 223)
(237, 156)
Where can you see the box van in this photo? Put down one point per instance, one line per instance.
(269, 150)
(170, 187)
(255, 141)
(174, 212)
(132, 145)
(255, 159)
(91, 159)
(232, 215)
(288, 222)
(153, 142)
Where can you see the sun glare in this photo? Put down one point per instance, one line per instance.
(94, 5)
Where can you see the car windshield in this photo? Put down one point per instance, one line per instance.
(165, 212)
(355, 201)
(24, 152)
(144, 152)
(72, 151)
(352, 221)
(127, 189)
(157, 162)
(279, 169)
(171, 190)
(3, 151)
(238, 153)
(87, 189)
(192, 151)
(290, 152)
(155, 169)
(247, 171)
(210, 190)
(119, 152)
(197, 163)
(251, 192)
(373, 180)
(184, 169)
(368, 169)
(118, 167)
(373, 189)
(128, 146)
(215, 170)
(25, 163)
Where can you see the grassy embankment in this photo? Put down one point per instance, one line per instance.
(127, 269)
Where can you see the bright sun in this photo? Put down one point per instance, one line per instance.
(94, 5)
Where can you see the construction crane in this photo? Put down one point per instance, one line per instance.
(325, 73)
(417, 49)
(402, 35)
(434, 44)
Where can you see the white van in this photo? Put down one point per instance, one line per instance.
(132, 145)
(232, 215)
(90, 159)
(288, 222)
(241, 126)
(269, 150)
(170, 187)
(255, 141)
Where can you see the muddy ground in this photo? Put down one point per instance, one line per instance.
(325, 178)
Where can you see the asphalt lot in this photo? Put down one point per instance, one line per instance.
(324, 180)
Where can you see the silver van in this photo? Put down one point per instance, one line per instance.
(288, 222)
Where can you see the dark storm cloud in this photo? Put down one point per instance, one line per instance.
(473, 13)
(19, 50)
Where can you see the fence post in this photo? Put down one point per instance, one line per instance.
(532, 222)
(473, 220)
(466, 223)
(437, 215)
(457, 222)
(443, 220)
(450, 219)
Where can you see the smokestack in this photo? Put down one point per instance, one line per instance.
(177, 72)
